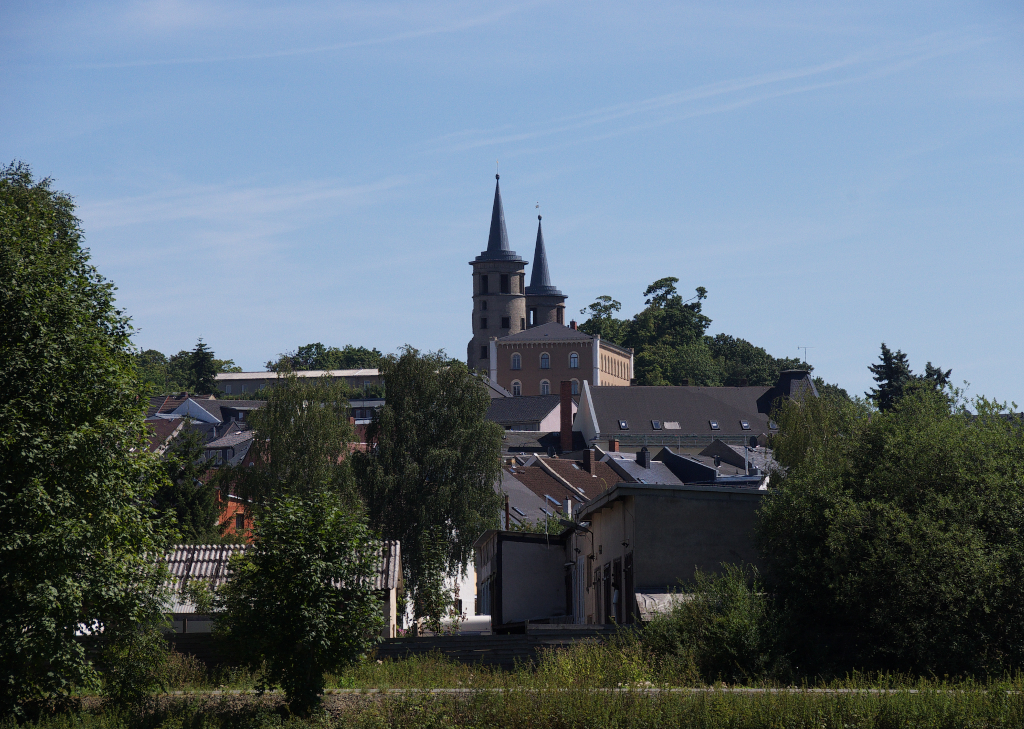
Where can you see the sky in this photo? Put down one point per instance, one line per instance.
(268, 174)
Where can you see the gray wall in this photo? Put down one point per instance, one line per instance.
(686, 528)
(532, 580)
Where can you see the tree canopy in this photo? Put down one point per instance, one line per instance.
(671, 346)
(192, 371)
(316, 356)
(895, 378)
(189, 497)
(76, 478)
(894, 539)
(428, 479)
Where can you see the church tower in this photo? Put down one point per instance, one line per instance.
(545, 304)
(499, 291)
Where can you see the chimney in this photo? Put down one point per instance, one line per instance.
(613, 445)
(567, 508)
(644, 457)
(718, 461)
(565, 406)
(588, 460)
(572, 325)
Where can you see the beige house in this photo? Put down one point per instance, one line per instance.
(536, 361)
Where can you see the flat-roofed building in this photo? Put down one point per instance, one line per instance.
(240, 383)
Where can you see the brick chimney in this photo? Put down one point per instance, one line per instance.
(565, 406)
(572, 325)
(588, 460)
(613, 445)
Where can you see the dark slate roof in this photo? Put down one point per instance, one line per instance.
(657, 473)
(531, 441)
(524, 504)
(552, 332)
(760, 458)
(691, 407)
(216, 407)
(540, 280)
(497, 240)
(528, 409)
(229, 440)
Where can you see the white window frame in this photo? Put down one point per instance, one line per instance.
(574, 356)
(575, 387)
(545, 387)
(517, 388)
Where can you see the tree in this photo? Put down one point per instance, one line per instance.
(428, 479)
(77, 533)
(301, 601)
(739, 360)
(318, 357)
(300, 446)
(894, 539)
(894, 378)
(186, 498)
(602, 320)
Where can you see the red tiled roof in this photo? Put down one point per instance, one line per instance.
(581, 479)
(160, 429)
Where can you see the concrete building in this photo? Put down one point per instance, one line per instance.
(240, 383)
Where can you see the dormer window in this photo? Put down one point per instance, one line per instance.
(714, 424)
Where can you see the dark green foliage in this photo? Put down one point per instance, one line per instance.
(301, 444)
(318, 357)
(826, 389)
(671, 347)
(193, 372)
(429, 478)
(185, 498)
(76, 529)
(721, 624)
(895, 540)
(895, 378)
(301, 601)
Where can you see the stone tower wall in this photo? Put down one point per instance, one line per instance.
(495, 306)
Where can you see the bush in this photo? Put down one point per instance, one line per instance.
(719, 625)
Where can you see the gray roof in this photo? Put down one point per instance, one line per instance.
(230, 440)
(760, 458)
(527, 409)
(691, 408)
(209, 563)
(524, 504)
(216, 407)
(497, 240)
(657, 473)
(552, 332)
(495, 390)
(540, 280)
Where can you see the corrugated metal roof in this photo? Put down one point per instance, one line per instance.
(209, 563)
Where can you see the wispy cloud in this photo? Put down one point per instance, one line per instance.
(414, 34)
(718, 97)
(233, 205)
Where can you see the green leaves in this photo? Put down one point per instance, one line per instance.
(76, 528)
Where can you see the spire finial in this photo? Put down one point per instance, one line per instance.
(538, 217)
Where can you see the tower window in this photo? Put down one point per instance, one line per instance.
(532, 317)
(522, 323)
(574, 361)
(575, 387)
(517, 388)
(545, 387)
(504, 283)
(506, 322)
(483, 351)
(545, 361)
(560, 315)
(517, 362)
(483, 284)
(483, 322)
(483, 305)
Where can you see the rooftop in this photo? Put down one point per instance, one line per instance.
(229, 376)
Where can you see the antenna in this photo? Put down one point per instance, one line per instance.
(805, 352)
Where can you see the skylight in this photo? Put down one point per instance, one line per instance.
(623, 425)
(671, 425)
(656, 424)
(773, 425)
(519, 511)
(546, 511)
(554, 501)
(714, 425)
(745, 425)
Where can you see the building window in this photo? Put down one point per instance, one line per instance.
(517, 388)
(559, 316)
(483, 284)
(504, 283)
(522, 323)
(545, 387)
(545, 361)
(575, 387)
(506, 322)
(240, 416)
(531, 315)
(517, 362)
(574, 361)
(227, 389)
(483, 305)
(483, 351)
(483, 322)
(239, 522)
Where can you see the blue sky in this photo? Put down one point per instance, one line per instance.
(269, 174)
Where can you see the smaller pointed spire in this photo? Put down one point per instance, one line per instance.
(540, 279)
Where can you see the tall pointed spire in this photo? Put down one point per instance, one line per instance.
(497, 240)
(540, 279)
